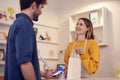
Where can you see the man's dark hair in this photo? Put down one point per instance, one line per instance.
(26, 3)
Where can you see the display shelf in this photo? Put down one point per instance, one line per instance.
(99, 26)
(2, 41)
(47, 45)
(45, 25)
(5, 23)
(54, 59)
(4, 27)
(2, 62)
(103, 44)
(46, 31)
(98, 18)
(47, 42)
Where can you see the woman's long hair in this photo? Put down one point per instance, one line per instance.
(89, 34)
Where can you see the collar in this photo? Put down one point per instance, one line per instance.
(24, 16)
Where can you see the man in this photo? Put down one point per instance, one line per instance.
(21, 51)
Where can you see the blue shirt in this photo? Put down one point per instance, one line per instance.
(21, 48)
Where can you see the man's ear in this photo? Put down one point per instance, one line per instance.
(33, 5)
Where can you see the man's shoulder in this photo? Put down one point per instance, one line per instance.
(20, 23)
(21, 20)
(21, 17)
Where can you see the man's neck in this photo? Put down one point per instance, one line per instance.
(27, 12)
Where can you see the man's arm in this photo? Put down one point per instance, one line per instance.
(28, 71)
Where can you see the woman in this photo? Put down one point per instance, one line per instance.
(86, 47)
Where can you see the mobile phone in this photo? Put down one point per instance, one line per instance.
(56, 73)
(60, 69)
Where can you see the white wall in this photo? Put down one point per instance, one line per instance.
(109, 62)
(50, 14)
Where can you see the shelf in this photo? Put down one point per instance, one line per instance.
(47, 42)
(46, 31)
(102, 44)
(2, 62)
(99, 26)
(5, 23)
(3, 41)
(54, 59)
(45, 25)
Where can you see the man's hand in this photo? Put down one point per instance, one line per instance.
(49, 74)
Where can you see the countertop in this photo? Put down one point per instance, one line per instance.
(88, 79)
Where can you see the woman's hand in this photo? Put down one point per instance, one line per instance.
(79, 51)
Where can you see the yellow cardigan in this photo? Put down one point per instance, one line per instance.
(90, 59)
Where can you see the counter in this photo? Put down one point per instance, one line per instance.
(88, 79)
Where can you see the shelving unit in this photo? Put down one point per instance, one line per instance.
(2, 62)
(4, 27)
(47, 42)
(98, 17)
(52, 44)
(45, 25)
(3, 42)
(42, 29)
(5, 23)
(48, 48)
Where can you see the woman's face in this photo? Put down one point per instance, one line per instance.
(81, 28)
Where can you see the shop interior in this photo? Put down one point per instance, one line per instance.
(55, 28)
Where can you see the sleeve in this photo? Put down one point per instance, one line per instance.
(23, 43)
(91, 58)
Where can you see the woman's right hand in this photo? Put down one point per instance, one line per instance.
(79, 51)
